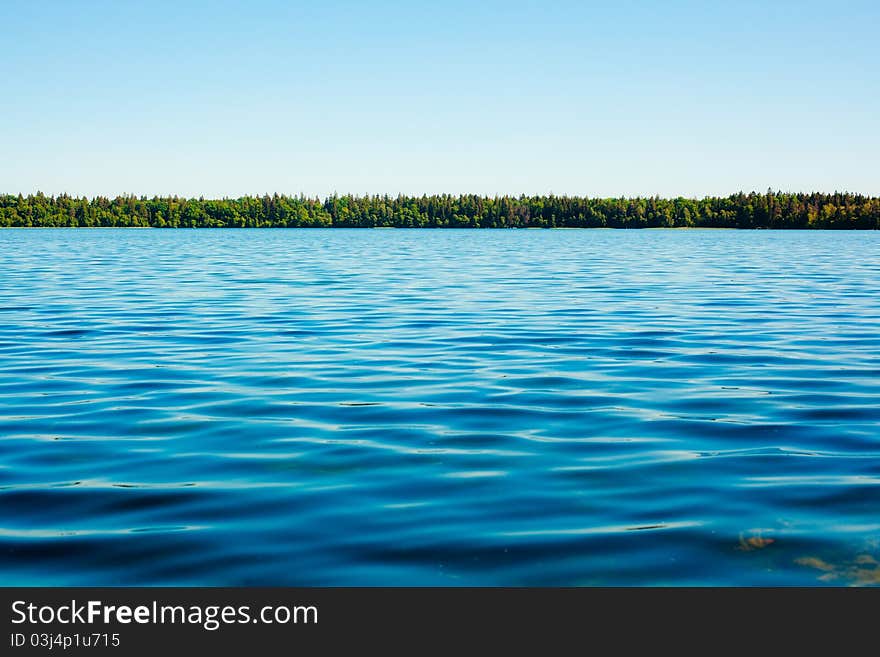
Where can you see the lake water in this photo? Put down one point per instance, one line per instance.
(417, 407)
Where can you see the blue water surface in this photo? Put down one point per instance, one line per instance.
(439, 407)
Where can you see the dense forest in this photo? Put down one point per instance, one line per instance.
(753, 210)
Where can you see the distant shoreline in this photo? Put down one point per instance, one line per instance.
(771, 210)
(445, 228)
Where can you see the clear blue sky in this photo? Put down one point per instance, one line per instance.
(593, 98)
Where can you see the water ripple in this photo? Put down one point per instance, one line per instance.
(345, 407)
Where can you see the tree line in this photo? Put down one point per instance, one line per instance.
(753, 210)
